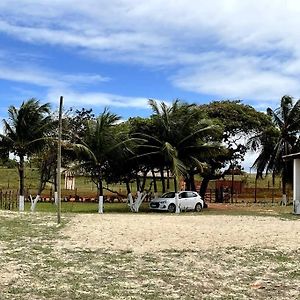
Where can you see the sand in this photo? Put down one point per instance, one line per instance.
(142, 233)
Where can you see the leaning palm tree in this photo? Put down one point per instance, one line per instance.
(24, 134)
(278, 141)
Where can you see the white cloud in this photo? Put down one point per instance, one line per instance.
(72, 98)
(36, 76)
(239, 77)
(227, 48)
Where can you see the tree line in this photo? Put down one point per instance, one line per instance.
(176, 141)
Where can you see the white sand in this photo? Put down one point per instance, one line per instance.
(154, 232)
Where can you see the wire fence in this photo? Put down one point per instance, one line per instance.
(8, 199)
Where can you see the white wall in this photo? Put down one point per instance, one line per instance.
(296, 184)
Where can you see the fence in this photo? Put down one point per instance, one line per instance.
(249, 195)
(8, 199)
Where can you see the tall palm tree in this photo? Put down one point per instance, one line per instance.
(24, 134)
(97, 149)
(178, 140)
(278, 141)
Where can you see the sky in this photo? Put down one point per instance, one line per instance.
(120, 53)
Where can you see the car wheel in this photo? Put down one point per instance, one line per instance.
(198, 207)
(172, 208)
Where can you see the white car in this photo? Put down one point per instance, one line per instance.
(188, 200)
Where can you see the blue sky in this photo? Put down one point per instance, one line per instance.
(119, 53)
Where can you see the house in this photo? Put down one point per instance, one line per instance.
(296, 180)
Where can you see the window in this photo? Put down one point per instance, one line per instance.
(168, 195)
(183, 195)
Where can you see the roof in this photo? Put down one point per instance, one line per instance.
(291, 156)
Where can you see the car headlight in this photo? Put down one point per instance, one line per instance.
(162, 202)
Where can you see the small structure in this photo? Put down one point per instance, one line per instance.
(296, 181)
(69, 180)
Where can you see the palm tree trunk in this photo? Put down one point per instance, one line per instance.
(21, 177)
(176, 195)
(128, 187)
(163, 183)
(144, 181)
(273, 186)
(192, 181)
(232, 185)
(37, 197)
(100, 192)
(187, 183)
(138, 183)
(168, 179)
(175, 185)
(154, 183)
(203, 187)
(284, 182)
(255, 190)
(129, 195)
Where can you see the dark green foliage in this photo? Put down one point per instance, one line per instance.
(178, 138)
(279, 139)
(25, 132)
(239, 121)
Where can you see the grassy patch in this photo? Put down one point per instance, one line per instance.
(283, 212)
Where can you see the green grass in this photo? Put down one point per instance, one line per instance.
(86, 207)
(264, 210)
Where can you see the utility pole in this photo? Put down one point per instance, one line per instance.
(59, 161)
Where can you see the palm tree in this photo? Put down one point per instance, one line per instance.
(97, 149)
(178, 139)
(24, 134)
(278, 141)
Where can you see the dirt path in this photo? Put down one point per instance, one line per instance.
(147, 233)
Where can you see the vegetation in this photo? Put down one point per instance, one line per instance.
(180, 141)
(278, 140)
(40, 260)
(25, 133)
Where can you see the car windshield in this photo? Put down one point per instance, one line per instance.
(168, 195)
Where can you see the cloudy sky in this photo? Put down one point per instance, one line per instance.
(119, 53)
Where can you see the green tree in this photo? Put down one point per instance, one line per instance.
(279, 140)
(239, 123)
(98, 149)
(179, 138)
(25, 132)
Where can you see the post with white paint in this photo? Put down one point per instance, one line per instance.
(100, 206)
(59, 161)
(21, 203)
(177, 203)
(296, 184)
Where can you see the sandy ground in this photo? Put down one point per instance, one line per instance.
(147, 233)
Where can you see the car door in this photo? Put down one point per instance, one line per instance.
(183, 201)
(191, 200)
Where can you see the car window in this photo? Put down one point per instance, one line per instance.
(191, 195)
(168, 195)
(183, 195)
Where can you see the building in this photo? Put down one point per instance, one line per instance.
(296, 180)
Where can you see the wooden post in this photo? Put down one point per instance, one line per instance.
(232, 184)
(59, 161)
(255, 191)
